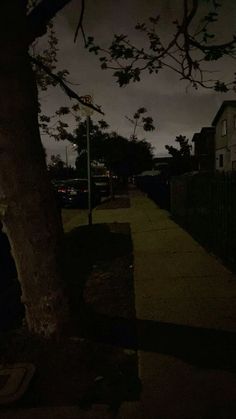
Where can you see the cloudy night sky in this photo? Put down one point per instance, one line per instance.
(174, 108)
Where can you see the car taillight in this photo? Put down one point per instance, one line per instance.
(63, 190)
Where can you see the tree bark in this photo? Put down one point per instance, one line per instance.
(31, 218)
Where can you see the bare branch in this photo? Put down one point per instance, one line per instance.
(79, 26)
(84, 36)
(205, 48)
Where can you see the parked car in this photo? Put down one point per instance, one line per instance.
(103, 184)
(74, 193)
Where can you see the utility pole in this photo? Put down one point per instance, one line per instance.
(66, 157)
(90, 221)
(87, 112)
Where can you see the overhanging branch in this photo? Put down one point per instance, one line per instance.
(79, 26)
(69, 92)
(205, 48)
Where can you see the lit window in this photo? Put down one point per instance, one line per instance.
(221, 160)
(224, 127)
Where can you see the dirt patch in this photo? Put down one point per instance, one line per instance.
(92, 364)
(68, 214)
(105, 311)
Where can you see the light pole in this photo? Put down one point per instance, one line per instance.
(90, 221)
(66, 157)
(88, 111)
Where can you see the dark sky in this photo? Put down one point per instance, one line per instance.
(175, 109)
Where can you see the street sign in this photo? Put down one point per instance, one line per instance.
(85, 110)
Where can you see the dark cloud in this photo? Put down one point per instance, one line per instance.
(175, 109)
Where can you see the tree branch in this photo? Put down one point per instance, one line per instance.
(186, 21)
(205, 48)
(80, 20)
(63, 85)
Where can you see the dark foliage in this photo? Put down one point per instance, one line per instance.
(181, 161)
(191, 46)
(122, 156)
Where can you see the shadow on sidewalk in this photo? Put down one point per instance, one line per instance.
(205, 348)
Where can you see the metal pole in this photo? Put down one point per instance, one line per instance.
(66, 157)
(90, 221)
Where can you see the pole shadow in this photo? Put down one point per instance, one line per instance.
(202, 347)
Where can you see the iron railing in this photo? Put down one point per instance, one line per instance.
(205, 204)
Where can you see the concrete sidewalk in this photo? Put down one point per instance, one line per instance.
(176, 280)
(185, 306)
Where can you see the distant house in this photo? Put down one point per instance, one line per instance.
(162, 163)
(161, 160)
(204, 149)
(225, 136)
(98, 168)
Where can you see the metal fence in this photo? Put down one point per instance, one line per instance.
(205, 204)
(157, 188)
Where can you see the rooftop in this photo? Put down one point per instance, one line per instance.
(224, 105)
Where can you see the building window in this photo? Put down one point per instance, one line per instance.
(224, 127)
(221, 160)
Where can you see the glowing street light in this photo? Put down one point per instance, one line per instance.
(73, 146)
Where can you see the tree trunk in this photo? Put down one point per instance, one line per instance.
(31, 218)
